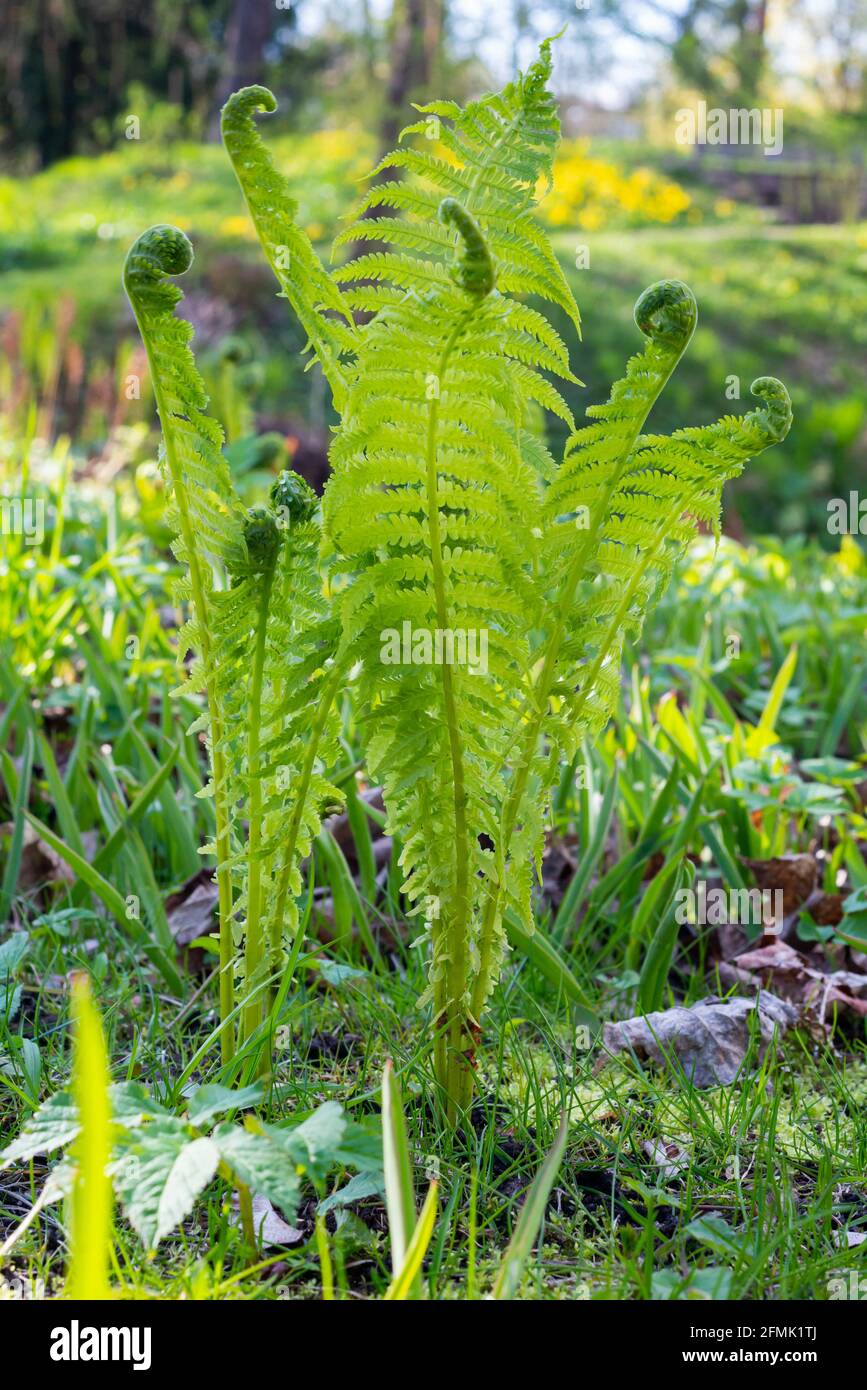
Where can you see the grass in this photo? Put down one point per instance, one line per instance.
(665, 1190)
(773, 1178)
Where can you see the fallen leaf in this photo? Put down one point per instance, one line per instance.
(710, 1039)
(794, 978)
(793, 874)
(826, 909)
(670, 1158)
(848, 1240)
(269, 1226)
(41, 864)
(190, 911)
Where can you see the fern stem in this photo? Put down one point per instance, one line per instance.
(453, 1070)
(222, 838)
(254, 946)
(327, 698)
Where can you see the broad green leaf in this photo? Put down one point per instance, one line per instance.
(132, 1105)
(312, 1144)
(260, 1164)
(359, 1187)
(212, 1100)
(12, 952)
(159, 1174)
(54, 1124)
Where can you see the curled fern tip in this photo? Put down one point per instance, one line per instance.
(247, 100)
(294, 498)
(474, 271)
(161, 250)
(262, 536)
(777, 414)
(667, 312)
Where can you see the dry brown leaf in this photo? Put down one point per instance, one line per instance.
(794, 874)
(190, 911)
(710, 1039)
(793, 977)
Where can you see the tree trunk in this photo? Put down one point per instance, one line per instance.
(250, 26)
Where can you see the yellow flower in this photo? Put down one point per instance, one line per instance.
(237, 226)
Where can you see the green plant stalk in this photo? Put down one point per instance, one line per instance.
(326, 1268)
(222, 839)
(454, 1039)
(327, 698)
(254, 945)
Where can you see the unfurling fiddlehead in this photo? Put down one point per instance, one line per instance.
(293, 498)
(474, 271)
(202, 511)
(314, 297)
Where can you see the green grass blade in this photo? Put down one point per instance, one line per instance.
(19, 793)
(87, 1277)
(110, 898)
(530, 1220)
(542, 954)
(402, 1284)
(399, 1190)
(574, 894)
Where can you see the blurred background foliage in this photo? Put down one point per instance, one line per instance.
(108, 123)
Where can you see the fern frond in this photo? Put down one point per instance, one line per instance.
(429, 513)
(670, 485)
(619, 511)
(274, 654)
(303, 281)
(498, 149)
(264, 645)
(202, 511)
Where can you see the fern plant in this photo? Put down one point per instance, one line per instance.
(448, 528)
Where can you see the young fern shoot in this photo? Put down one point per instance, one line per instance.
(482, 592)
(264, 646)
(203, 514)
(554, 565)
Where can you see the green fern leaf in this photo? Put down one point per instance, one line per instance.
(499, 148)
(202, 511)
(314, 297)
